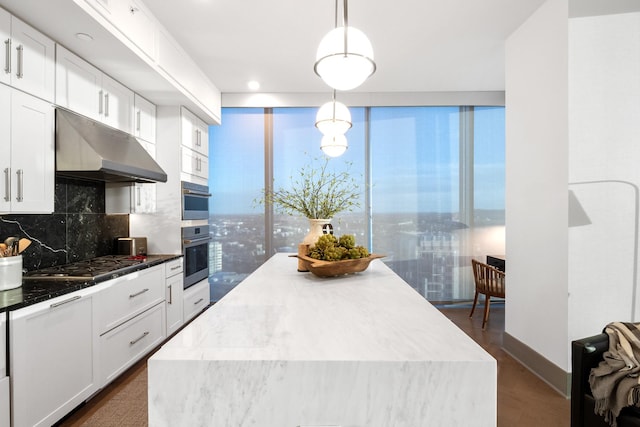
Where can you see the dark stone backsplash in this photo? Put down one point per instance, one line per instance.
(78, 229)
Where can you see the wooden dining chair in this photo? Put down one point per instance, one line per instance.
(490, 283)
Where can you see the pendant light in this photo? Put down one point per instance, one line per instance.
(333, 146)
(333, 118)
(344, 59)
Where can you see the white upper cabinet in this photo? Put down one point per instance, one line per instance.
(5, 37)
(145, 120)
(195, 133)
(27, 153)
(5, 148)
(195, 166)
(27, 58)
(83, 88)
(117, 109)
(195, 148)
(78, 84)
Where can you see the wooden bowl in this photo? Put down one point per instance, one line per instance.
(336, 268)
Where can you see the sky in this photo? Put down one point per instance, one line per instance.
(414, 156)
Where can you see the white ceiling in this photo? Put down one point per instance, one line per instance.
(419, 45)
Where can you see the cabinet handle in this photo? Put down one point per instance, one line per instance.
(138, 196)
(138, 293)
(20, 50)
(106, 105)
(58, 304)
(138, 120)
(199, 301)
(7, 54)
(7, 184)
(20, 174)
(100, 102)
(175, 268)
(139, 338)
(170, 294)
(199, 140)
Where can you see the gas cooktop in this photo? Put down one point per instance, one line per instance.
(91, 269)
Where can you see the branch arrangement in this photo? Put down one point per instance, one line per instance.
(316, 193)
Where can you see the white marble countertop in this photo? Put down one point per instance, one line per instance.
(279, 313)
(289, 349)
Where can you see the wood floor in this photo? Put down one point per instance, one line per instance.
(523, 399)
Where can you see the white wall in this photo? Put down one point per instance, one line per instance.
(573, 127)
(604, 170)
(536, 182)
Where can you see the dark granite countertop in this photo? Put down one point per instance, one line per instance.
(35, 291)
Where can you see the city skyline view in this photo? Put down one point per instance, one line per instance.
(428, 208)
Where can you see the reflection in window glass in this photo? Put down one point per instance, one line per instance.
(296, 143)
(488, 181)
(236, 177)
(415, 195)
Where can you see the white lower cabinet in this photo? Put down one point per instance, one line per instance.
(5, 420)
(196, 298)
(52, 363)
(174, 283)
(130, 319)
(128, 296)
(63, 350)
(123, 346)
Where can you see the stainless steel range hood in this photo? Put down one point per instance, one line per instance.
(86, 149)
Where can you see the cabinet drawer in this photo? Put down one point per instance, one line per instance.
(196, 299)
(123, 346)
(173, 267)
(129, 295)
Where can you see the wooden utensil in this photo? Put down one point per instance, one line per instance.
(23, 244)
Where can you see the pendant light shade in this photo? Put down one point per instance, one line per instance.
(333, 146)
(345, 67)
(333, 118)
(344, 59)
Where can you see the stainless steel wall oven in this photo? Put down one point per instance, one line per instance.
(195, 249)
(195, 201)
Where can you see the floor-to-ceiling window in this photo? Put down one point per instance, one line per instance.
(296, 144)
(433, 178)
(415, 185)
(236, 164)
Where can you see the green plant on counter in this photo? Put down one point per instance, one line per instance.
(329, 248)
(316, 193)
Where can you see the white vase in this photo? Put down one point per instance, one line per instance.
(315, 230)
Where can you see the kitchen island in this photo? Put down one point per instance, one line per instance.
(288, 349)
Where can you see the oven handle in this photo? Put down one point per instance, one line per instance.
(201, 240)
(195, 193)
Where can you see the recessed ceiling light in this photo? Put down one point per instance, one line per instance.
(253, 85)
(84, 36)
